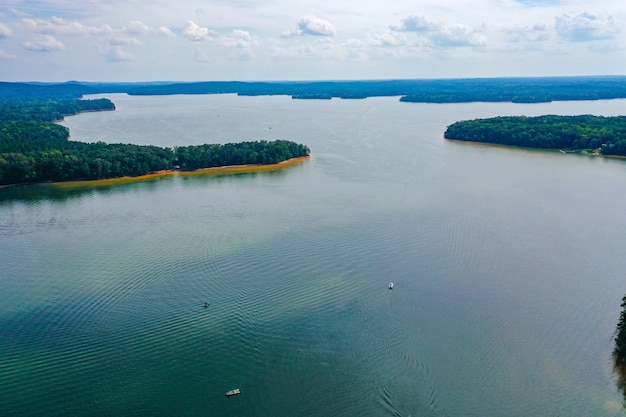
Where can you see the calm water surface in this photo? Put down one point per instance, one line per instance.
(508, 267)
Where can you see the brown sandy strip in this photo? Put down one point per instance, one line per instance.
(223, 170)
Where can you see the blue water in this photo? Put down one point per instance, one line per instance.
(508, 270)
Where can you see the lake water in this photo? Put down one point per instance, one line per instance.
(508, 267)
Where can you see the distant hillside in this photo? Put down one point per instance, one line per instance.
(521, 90)
(518, 90)
(67, 90)
(44, 90)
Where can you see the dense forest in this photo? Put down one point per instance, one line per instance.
(33, 149)
(619, 352)
(48, 110)
(605, 135)
(242, 153)
(521, 90)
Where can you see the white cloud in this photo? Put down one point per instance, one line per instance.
(5, 31)
(115, 53)
(195, 33)
(311, 25)
(136, 27)
(123, 40)
(241, 44)
(166, 31)
(414, 24)
(585, 27)
(47, 43)
(446, 37)
(60, 27)
(458, 35)
(535, 33)
(279, 53)
(4, 55)
(101, 30)
(355, 43)
(55, 26)
(324, 48)
(538, 3)
(239, 39)
(384, 40)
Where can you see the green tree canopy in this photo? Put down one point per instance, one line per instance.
(607, 135)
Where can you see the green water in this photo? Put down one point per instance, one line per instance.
(508, 268)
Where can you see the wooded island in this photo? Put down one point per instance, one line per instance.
(595, 134)
(34, 149)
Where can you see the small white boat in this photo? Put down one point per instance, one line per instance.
(391, 285)
(233, 392)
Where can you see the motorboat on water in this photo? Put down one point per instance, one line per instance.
(233, 392)
(391, 285)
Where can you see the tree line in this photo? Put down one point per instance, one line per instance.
(605, 135)
(619, 351)
(48, 110)
(33, 149)
(520, 90)
(517, 89)
(242, 153)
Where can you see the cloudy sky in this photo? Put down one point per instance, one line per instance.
(248, 40)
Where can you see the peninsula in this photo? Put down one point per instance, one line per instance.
(34, 149)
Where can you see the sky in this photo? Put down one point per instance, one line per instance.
(263, 40)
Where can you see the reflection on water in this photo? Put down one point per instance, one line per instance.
(71, 189)
(506, 274)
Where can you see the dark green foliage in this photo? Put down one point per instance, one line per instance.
(43, 153)
(29, 136)
(67, 90)
(32, 149)
(619, 352)
(608, 134)
(520, 90)
(49, 110)
(620, 338)
(243, 153)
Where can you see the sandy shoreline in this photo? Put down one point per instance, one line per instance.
(223, 170)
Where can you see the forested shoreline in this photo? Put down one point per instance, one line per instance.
(49, 110)
(34, 149)
(517, 90)
(619, 351)
(595, 134)
(454, 90)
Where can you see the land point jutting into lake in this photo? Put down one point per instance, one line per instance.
(507, 278)
(34, 149)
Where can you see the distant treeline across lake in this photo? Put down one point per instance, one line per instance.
(33, 149)
(521, 90)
